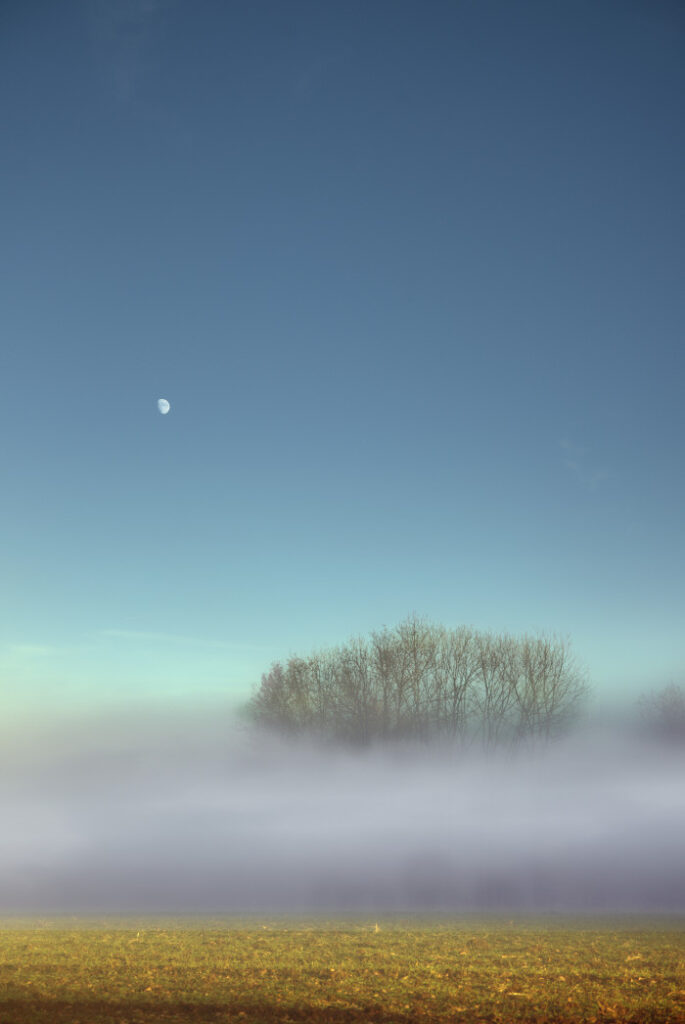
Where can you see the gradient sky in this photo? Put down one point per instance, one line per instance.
(410, 275)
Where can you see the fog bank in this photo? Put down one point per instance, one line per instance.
(195, 813)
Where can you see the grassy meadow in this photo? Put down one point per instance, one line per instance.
(126, 971)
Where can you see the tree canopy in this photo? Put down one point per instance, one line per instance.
(422, 681)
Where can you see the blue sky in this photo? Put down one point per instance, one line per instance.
(410, 275)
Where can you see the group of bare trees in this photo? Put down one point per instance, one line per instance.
(421, 681)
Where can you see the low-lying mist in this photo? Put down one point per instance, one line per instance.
(197, 813)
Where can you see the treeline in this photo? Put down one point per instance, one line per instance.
(662, 714)
(420, 681)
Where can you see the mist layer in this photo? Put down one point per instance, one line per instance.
(182, 813)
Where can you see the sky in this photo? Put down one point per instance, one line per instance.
(411, 278)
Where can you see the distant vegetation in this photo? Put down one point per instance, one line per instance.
(663, 714)
(421, 681)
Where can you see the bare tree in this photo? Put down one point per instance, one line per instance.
(270, 706)
(663, 713)
(384, 654)
(494, 697)
(456, 671)
(422, 681)
(322, 690)
(355, 698)
(550, 687)
(418, 647)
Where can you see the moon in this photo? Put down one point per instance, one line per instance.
(163, 406)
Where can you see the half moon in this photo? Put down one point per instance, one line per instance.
(163, 406)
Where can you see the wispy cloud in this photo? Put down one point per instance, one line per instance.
(151, 636)
(577, 463)
(27, 652)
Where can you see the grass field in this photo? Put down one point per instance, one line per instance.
(68, 971)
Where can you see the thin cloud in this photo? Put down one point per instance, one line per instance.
(146, 636)
(30, 652)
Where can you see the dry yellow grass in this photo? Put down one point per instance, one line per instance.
(385, 970)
